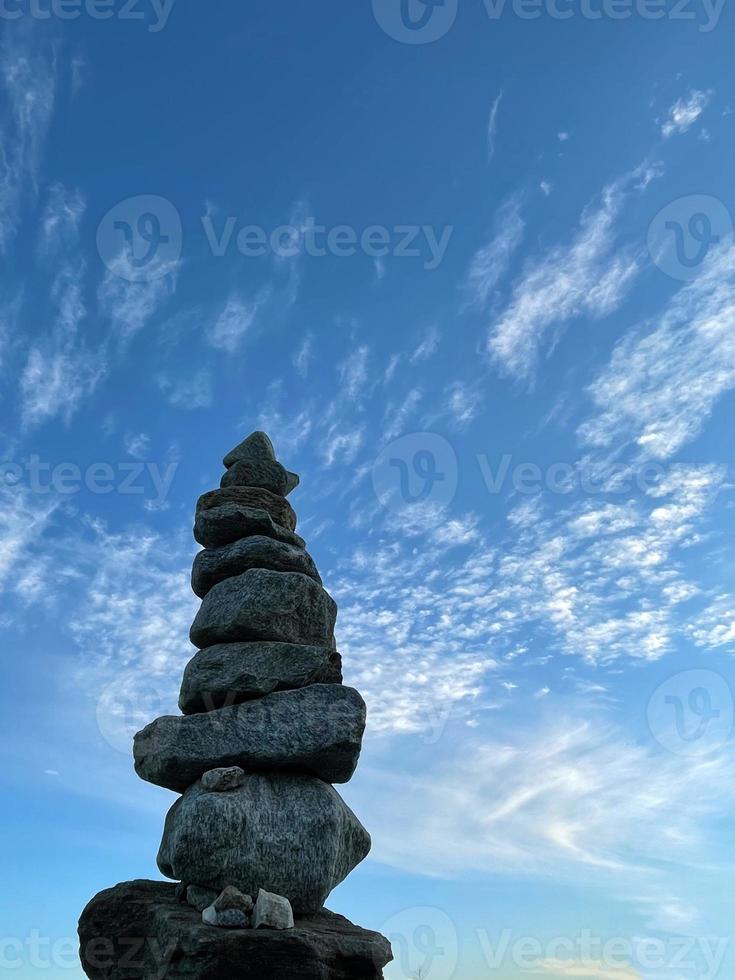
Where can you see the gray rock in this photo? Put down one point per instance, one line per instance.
(137, 931)
(280, 510)
(233, 898)
(316, 730)
(218, 526)
(214, 565)
(257, 446)
(229, 919)
(290, 835)
(272, 912)
(200, 898)
(265, 605)
(223, 780)
(230, 673)
(265, 473)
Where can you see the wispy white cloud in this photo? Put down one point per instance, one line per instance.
(685, 112)
(589, 276)
(353, 372)
(190, 393)
(664, 379)
(428, 346)
(492, 261)
(492, 125)
(304, 355)
(236, 319)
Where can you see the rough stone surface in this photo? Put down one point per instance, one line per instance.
(280, 510)
(223, 780)
(290, 835)
(316, 730)
(228, 919)
(214, 565)
(200, 898)
(233, 898)
(230, 673)
(257, 446)
(137, 931)
(272, 912)
(265, 473)
(265, 605)
(222, 525)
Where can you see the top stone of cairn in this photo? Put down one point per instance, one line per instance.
(253, 464)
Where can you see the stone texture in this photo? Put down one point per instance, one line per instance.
(272, 912)
(233, 898)
(218, 526)
(265, 605)
(265, 473)
(214, 565)
(290, 835)
(200, 898)
(316, 730)
(229, 919)
(223, 780)
(257, 446)
(230, 673)
(280, 510)
(137, 931)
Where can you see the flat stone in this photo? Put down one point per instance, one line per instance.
(289, 835)
(214, 565)
(265, 605)
(137, 931)
(233, 898)
(316, 730)
(265, 473)
(228, 919)
(280, 510)
(218, 526)
(257, 446)
(272, 912)
(230, 673)
(223, 780)
(200, 898)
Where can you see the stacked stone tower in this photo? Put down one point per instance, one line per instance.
(259, 836)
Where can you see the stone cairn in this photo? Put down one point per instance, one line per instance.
(259, 836)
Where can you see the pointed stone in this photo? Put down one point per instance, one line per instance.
(230, 673)
(316, 731)
(264, 605)
(214, 565)
(290, 835)
(257, 446)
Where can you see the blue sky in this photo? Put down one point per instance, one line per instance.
(476, 278)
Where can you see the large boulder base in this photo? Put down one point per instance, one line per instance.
(316, 731)
(230, 673)
(265, 605)
(214, 565)
(249, 836)
(139, 931)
